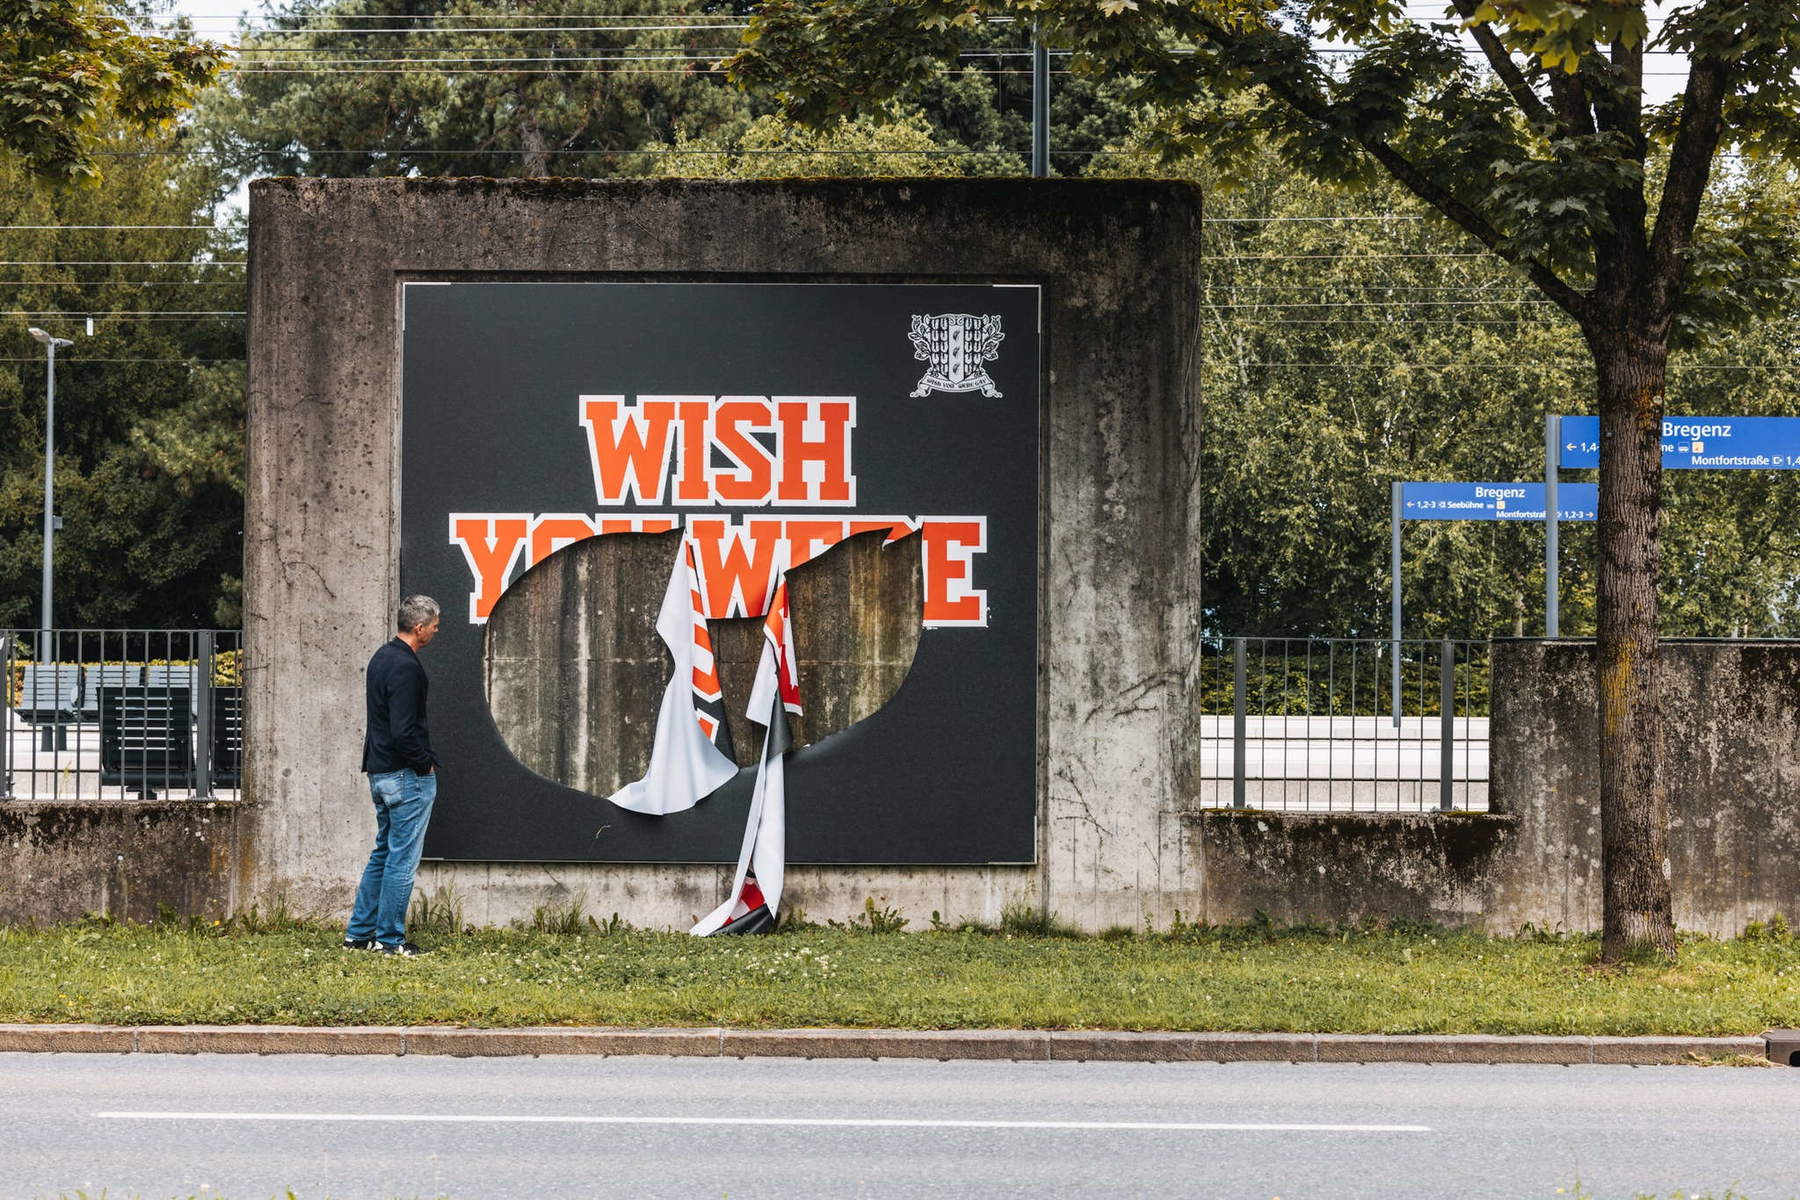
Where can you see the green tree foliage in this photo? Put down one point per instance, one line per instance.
(72, 69)
(149, 409)
(1341, 355)
(770, 147)
(588, 88)
(458, 87)
(1539, 143)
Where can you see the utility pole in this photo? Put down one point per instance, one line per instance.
(1040, 107)
(1552, 557)
(51, 345)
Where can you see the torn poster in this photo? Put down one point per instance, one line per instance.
(766, 422)
(762, 862)
(691, 758)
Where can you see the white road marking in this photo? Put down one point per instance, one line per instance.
(828, 1122)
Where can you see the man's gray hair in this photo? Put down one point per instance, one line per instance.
(414, 612)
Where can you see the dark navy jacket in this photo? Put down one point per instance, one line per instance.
(395, 686)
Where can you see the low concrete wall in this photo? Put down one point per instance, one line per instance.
(1734, 778)
(126, 860)
(1732, 720)
(1350, 867)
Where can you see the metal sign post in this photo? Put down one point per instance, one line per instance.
(1398, 489)
(6, 712)
(1040, 106)
(1552, 546)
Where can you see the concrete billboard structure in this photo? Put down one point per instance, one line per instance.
(1109, 814)
(1092, 826)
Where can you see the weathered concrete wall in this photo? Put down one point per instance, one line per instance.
(126, 859)
(1121, 839)
(1119, 576)
(1732, 721)
(1732, 737)
(1349, 867)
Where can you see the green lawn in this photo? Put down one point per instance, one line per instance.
(1233, 978)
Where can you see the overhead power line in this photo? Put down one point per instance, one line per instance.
(1315, 217)
(510, 53)
(1298, 257)
(1531, 365)
(118, 262)
(1513, 322)
(427, 31)
(522, 54)
(59, 228)
(121, 283)
(1378, 285)
(1384, 304)
(504, 59)
(582, 152)
(64, 360)
(254, 70)
(305, 23)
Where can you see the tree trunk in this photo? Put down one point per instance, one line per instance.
(1634, 807)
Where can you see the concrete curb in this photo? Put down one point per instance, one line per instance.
(1025, 1045)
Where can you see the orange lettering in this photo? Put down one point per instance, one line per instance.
(737, 564)
(552, 531)
(829, 447)
(950, 546)
(628, 448)
(695, 416)
(490, 543)
(752, 484)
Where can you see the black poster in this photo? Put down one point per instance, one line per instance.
(768, 420)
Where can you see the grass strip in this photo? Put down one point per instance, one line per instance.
(1248, 978)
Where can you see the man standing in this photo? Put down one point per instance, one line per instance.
(402, 780)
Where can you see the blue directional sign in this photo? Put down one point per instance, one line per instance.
(1496, 501)
(1699, 443)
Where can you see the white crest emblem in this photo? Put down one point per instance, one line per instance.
(956, 344)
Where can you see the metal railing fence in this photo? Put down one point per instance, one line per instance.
(1319, 725)
(118, 714)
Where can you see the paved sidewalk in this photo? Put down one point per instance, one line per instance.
(1035, 1045)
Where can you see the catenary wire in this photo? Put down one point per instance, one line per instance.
(60, 228)
(121, 262)
(1500, 366)
(66, 361)
(245, 71)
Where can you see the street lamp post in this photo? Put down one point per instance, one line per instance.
(51, 344)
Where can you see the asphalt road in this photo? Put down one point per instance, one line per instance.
(374, 1127)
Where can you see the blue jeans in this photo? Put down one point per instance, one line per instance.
(403, 801)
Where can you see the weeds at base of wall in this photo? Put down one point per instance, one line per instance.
(571, 919)
(437, 913)
(265, 916)
(1578, 1191)
(1022, 918)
